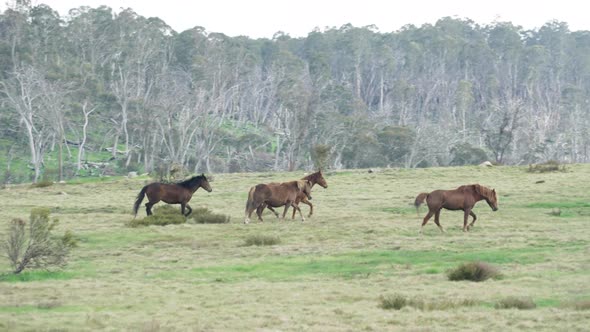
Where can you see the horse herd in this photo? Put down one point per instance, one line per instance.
(291, 193)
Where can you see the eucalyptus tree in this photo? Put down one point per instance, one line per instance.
(23, 92)
(142, 53)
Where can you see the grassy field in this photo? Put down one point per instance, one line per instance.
(329, 273)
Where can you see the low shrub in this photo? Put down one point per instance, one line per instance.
(515, 302)
(32, 244)
(162, 216)
(170, 215)
(42, 184)
(262, 240)
(549, 166)
(473, 271)
(395, 302)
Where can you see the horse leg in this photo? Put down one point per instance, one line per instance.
(436, 221)
(305, 201)
(296, 207)
(273, 210)
(474, 219)
(249, 211)
(286, 208)
(428, 216)
(259, 212)
(148, 208)
(465, 219)
(189, 210)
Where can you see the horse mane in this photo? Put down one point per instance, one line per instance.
(313, 177)
(482, 190)
(190, 183)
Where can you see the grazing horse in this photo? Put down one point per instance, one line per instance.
(173, 193)
(317, 177)
(462, 198)
(275, 195)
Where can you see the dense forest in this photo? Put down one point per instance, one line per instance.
(99, 83)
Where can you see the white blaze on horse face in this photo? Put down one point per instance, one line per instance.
(247, 221)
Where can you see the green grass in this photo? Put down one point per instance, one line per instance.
(356, 263)
(327, 273)
(39, 275)
(562, 205)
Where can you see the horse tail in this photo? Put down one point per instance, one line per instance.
(419, 200)
(250, 201)
(138, 200)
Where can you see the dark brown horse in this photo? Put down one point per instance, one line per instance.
(317, 177)
(173, 193)
(276, 195)
(462, 198)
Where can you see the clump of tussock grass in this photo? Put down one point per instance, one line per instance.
(398, 301)
(548, 166)
(395, 302)
(42, 184)
(49, 305)
(162, 216)
(204, 216)
(580, 305)
(511, 302)
(473, 271)
(262, 240)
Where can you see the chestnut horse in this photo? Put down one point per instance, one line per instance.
(173, 193)
(275, 195)
(317, 177)
(462, 198)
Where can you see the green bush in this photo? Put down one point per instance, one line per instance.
(515, 302)
(170, 215)
(262, 240)
(473, 271)
(32, 245)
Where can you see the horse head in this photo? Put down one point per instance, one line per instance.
(204, 183)
(305, 187)
(489, 195)
(320, 179)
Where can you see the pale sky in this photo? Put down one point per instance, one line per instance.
(263, 18)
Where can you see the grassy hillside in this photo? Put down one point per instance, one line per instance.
(326, 274)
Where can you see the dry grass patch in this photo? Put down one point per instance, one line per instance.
(204, 216)
(473, 271)
(398, 301)
(511, 302)
(580, 305)
(262, 240)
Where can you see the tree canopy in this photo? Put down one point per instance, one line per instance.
(445, 94)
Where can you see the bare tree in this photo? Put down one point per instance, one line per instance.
(24, 93)
(86, 112)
